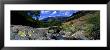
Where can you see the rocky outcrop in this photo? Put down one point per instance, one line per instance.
(19, 32)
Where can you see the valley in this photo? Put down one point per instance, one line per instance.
(83, 25)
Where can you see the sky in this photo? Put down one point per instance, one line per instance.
(55, 13)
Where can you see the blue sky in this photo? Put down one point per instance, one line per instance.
(54, 13)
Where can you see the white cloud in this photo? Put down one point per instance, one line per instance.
(49, 16)
(45, 11)
(75, 11)
(67, 12)
(54, 12)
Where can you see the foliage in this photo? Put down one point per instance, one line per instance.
(93, 26)
(22, 18)
(21, 33)
(54, 23)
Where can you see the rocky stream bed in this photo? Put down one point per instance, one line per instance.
(19, 32)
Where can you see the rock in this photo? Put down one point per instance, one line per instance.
(30, 33)
(79, 35)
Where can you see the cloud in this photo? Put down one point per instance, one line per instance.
(42, 17)
(67, 13)
(54, 12)
(45, 12)
(49, 16)
(75, 11)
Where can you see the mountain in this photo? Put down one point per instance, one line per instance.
(84, 24)
(62, 19)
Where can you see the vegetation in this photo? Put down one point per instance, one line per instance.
(89, 23)
(94, 25)
(22, 18)
(85, 23)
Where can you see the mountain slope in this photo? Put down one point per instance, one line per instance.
(55, 18)
(89, 24)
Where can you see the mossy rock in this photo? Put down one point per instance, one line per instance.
(21, 33)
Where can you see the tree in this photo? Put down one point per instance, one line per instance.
(35, 13)
(22, 18)
(54, 23)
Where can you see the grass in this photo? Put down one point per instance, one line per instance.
(90, 24)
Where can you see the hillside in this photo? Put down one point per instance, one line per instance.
(62, 19)
(87, 25)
